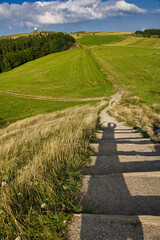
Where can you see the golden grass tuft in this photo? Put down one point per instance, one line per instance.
(141, 116)
(41, 166)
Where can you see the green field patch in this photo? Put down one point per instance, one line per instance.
(71, 74)
(14, 108)
(140, 42)
(98, 39)
(135, 69)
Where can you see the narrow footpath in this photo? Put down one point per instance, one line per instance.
(47, 98)
(121, 186)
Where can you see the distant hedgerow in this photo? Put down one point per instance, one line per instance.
(148, 33)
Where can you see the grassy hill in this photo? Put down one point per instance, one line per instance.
(135, 69)
(98, 39)
(75, 35)
(72, 74)
(133, 65)
(76, 74)
(26, 34)
(42, 157)
(140, 42)
(69, 74)
(83, 33)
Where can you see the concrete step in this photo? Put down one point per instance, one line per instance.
(122, 194)
(104, 227)
(109, 134)
(127, 141)
(112, 148)
(103, 165)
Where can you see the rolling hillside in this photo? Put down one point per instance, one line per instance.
(139, 42)
(91, 40)
(70, 74)
(78, 74)
(42, 157)
(134, 69)
(26, 34)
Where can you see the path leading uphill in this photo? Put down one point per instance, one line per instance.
(121, 186)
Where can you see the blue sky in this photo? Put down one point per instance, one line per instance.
(17, 16)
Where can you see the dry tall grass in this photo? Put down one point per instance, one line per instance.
(40, 169)
(141, 116)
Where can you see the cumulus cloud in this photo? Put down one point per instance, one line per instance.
(57, 12)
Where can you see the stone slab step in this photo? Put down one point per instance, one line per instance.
(122, 194)
(104, 227)
(127, 141)
(101, 165)
(111, 148)
(108, 134)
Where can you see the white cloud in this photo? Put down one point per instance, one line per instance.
(157, 11)
(56, 12)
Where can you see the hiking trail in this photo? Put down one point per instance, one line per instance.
(120, 192)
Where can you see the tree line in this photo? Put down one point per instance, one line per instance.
(148, 33)
(15, 52)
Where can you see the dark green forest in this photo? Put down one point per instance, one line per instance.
(15, 52)
(148, 33)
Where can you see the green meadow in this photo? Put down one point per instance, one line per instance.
(83, 73)
(41, 164)
(100, 39)
(69, 74)
(15, 108)
(134, 69)
(139, 42)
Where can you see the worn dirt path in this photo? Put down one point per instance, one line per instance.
(121, 186)
(23, 95)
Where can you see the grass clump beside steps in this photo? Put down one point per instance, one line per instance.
(138, 115)
(40, 170)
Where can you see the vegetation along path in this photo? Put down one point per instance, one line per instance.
(120, 191)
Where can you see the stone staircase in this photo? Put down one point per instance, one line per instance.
(120, 188)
